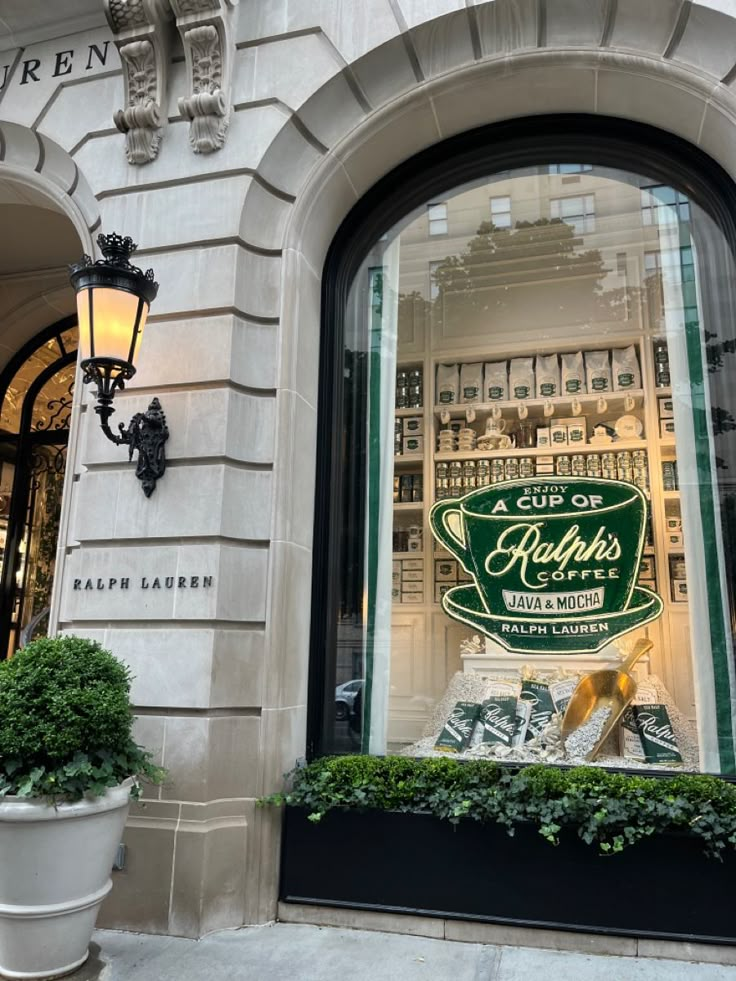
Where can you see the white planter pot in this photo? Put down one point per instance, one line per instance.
(55, 865)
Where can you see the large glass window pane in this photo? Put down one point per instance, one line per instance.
(591, 340)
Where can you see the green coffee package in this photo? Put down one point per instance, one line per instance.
(498, 719)
(457, 731)
(656, 733)
(646, 730)
(538, 697)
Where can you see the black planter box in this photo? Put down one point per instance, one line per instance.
(663, 887)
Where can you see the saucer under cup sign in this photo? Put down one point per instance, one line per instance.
(554, 562)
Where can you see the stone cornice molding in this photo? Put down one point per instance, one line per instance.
(206, 31)
(141, 34)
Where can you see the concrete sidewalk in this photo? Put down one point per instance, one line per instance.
(294, 952)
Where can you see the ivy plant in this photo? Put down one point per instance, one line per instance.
(608, 809)
(66, 722)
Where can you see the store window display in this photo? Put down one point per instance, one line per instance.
(539, 443)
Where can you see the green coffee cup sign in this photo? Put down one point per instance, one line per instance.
(554, 562)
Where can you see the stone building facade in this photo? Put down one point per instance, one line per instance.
(108, 121)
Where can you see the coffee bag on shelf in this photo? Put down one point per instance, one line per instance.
(625, 366)
(573, 374)
(471, 382)
(547, 376)
(495, 382)
(448, 384)
(598, 371)
(521, 378)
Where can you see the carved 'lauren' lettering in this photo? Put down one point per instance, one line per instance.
(94, 52)
(30, 69)
(63, 64)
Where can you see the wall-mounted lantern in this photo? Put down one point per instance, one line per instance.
(113, 298)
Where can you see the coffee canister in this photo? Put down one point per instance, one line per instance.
(563, 466)
(405, 487)
(415, 388)
(661, 364)
(402, 390)
(456, 479)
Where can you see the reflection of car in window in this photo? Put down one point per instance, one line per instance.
(345, 696)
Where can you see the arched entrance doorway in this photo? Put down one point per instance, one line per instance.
(36, 393)
(38, 353)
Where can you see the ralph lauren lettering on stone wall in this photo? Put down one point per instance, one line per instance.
(61, 63)
(145, 582)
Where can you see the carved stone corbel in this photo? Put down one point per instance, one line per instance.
(141, 34)
(205, 27)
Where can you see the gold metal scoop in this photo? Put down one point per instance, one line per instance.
(610, 687)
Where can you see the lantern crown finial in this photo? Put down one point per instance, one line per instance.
(116, 248)
(115, 268)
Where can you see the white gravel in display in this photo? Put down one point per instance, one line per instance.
(583, 739)
(547, 747)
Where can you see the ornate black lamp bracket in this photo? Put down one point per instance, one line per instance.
(147, 431)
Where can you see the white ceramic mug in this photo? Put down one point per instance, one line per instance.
(494, 427)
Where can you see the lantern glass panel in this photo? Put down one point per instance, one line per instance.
(114, 314)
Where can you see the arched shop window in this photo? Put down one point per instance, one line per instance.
(36, 390)
(527, 450)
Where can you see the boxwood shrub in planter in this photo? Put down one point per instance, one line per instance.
(68, 768)
(584, 848)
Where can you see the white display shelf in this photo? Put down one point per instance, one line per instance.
(638, 444)
(409, 506)
(408, 459)
(403, 413)
(671, 495)
(562, 405)
(407, 555)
